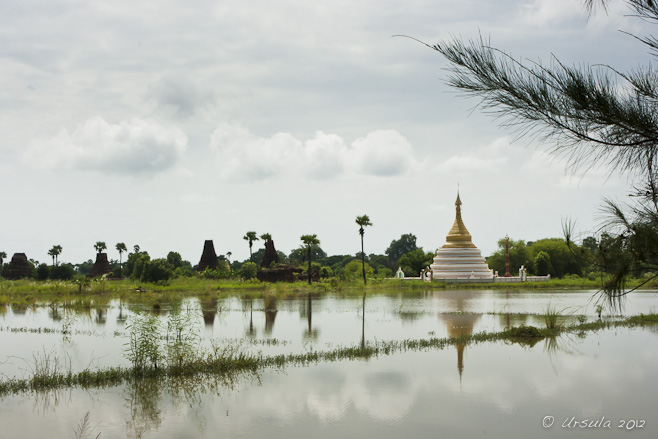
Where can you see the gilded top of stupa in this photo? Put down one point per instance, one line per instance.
(458, 237)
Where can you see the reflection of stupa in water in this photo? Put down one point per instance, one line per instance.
(459, 258)
(270, 313)
(459, 325)
(460, 322)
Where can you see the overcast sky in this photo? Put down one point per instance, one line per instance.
(167, 123)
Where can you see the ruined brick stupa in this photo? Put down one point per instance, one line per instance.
(208, 257)
(101, 266)
(270, 256)
(18, 268)
(459, 258)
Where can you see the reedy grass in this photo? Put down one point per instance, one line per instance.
(27, 292)
(229, 361)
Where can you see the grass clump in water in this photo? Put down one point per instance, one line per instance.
(49, 372)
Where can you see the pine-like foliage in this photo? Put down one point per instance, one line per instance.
(592, 116)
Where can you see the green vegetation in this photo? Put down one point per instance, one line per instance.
(592, 116)
(121, 248)
(310, 241)
(250, 237)
(363, 221)
(100, 246)
(23, 293)
(47, 371)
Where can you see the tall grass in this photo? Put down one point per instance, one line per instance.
(552, 317)
(49, 372)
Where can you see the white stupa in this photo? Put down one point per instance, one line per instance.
(459, 258)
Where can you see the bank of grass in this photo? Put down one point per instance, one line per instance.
(26, 293)
(47, 373)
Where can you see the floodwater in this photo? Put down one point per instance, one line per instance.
(608, 378)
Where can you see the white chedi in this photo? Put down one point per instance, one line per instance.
(459, 258)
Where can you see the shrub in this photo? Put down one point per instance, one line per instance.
(249, 270)
(42, 272)
(62, 272)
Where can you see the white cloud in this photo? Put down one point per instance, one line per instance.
(553, 170)
(489, 158)
(383, 153)
(242, 155)
(549, 13)
(138, 147)
(194, 198)
(176, 94)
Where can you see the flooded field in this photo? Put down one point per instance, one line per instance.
(488, 389)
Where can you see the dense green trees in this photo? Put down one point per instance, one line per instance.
(249, 270)
(414, 261)
(352, 270)
(146, 270)
(542, 264)
(300, 255)
(175, 259)
(398, 247)
(519, 254)
(557, 258)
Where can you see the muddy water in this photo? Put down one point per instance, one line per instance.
(492, 389)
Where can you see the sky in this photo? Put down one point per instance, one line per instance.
(167, 123)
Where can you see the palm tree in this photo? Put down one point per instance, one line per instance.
(251, 237)
(100, 246)
(136, 248)
(228, 257)
(3, 256)
(121, 247)
(310, 241)
(55, 252)
(363, 221)
(266, 237)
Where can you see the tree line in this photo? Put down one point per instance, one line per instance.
(552, 256)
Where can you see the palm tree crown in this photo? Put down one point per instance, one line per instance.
(251, 237)
(55, 252)
(100, 246)
(121, 247)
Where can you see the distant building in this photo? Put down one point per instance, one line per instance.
(459, 258)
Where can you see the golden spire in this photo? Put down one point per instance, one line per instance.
(458, 237)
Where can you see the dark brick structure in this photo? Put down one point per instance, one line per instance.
(208, 257)
(279, 273)
(101, 266)
(18, 268)
(271, 256)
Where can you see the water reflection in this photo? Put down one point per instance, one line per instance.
(149, 400)
(143, 398)
(460, 322)
(310, 333)
(363, 322)
(101, 316)
(209, 311)
(509, 391)
(270, 312)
